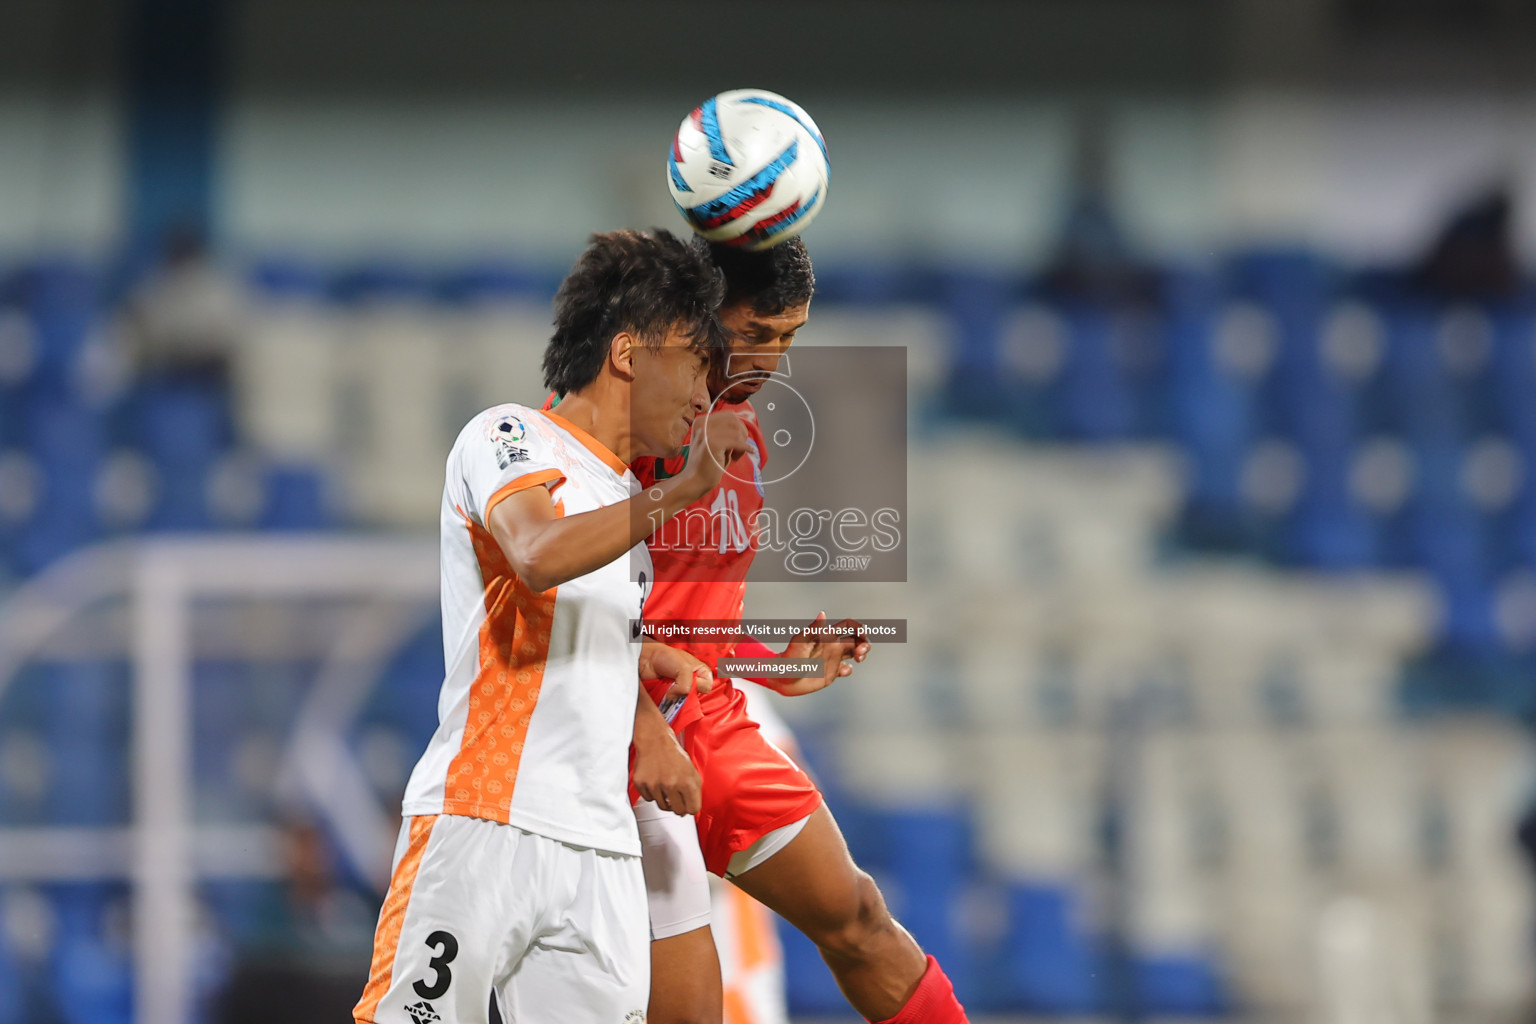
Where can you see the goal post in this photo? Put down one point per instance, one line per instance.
(164, 852)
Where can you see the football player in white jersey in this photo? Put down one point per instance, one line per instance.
(517, 887)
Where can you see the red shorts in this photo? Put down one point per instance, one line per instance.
(751, 787)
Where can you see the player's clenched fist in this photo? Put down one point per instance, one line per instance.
(718, 440)
(664, 775)
(663, 772)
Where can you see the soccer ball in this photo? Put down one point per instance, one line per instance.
(748, 168)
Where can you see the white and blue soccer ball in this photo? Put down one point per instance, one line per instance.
(748, 168)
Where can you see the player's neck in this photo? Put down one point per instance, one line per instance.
(602, 411)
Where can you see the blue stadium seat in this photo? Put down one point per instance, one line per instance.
(1097, 402)
(67, 443)
(182, 424)
(222, 693)
(182, 498)
(494, 281)
(1180, 986)
(92, 972)
(1468, 626)
(406, 698)
(1294, 286)
(296, 500)
(1513, 375)
(810, 989)
(95, 983)
(64, 302)
(381, 282)
(1209, 413)
(183, 427)
(976, 386)
(289, 279)
(876, 285)
(12, 431)
(928, 859)
(14, 997)
(87, 734)
(1440, 530)
(1514, 533)
(1053, 967)
(1474, 374)
(1418, 387)
(1328, 529)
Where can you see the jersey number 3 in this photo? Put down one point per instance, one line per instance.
(442, 977)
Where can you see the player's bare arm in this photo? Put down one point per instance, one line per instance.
(833, 645)
(547, 549)
(663, 772)
(663, 661)
(845, 642)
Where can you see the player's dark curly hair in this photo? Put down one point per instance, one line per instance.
(772, 280)
(644, 282)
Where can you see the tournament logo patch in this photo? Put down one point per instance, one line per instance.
(422, 1013)
(512, 429)
(507, 435)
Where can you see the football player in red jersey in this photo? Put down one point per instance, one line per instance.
(762, 823)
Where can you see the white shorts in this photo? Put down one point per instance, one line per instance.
(478, 911)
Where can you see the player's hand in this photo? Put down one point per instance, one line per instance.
(718, 440)
(847, 643)
(664, 774)
(662, 661)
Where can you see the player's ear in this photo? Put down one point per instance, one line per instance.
(621, 354)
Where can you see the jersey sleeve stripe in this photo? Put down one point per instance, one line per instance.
(386, 942)
(522, 483)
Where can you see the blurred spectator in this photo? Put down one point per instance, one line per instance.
(1093, 262)
(1473, 259)
(305, 956)
(185, 322)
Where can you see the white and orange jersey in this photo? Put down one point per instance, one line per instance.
(538, 702)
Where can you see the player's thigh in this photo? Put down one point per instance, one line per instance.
(685, 979)
(751, 787)
(812, 882)
(676, 884)
(443, 929)
(593, 964)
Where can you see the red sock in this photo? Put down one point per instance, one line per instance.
(934, 1001)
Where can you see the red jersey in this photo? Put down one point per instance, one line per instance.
(702, 555)
(751, 787)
